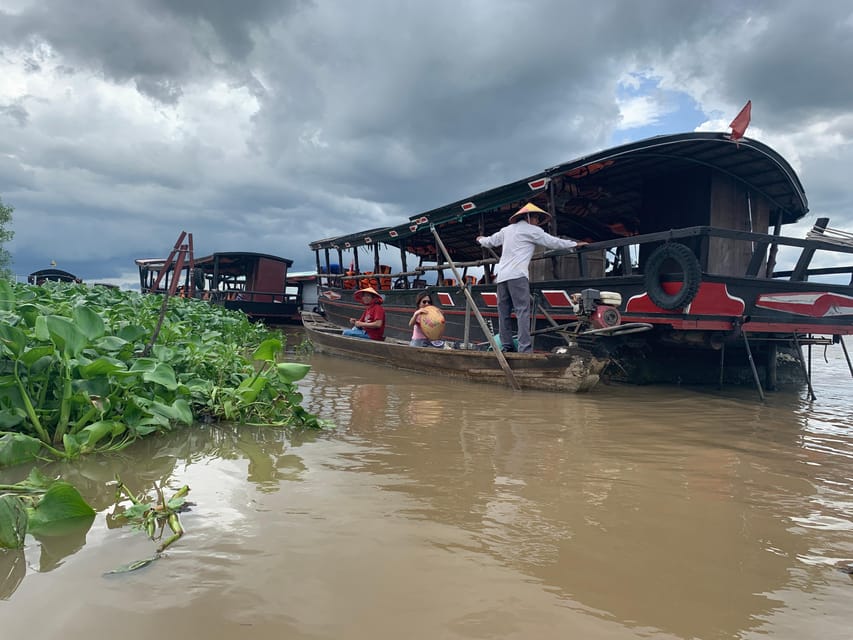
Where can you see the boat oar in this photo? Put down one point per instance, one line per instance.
(510, 376)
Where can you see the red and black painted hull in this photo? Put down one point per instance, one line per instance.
(770, 312)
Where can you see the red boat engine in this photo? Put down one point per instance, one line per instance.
(600, 309)
(605, 316)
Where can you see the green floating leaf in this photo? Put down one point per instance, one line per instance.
(91, 434)
(13, 522)
(88, 321)
(132, 332)
(28, 313)
(60, 503)
(110, 343)
(164, 354)
(13, 338)
(250, 388)
(162, 374)
(36, 480)
(7, 296)
(178, 411)
(292, 371)
(71, 446)
(131, 566)
(66, 335)
(10, 418)
(102, 366)
(267, 350)
(40, 329)
(16, 448)
(33, 355)
(176, 503)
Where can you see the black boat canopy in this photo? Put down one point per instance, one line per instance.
(236, 261)
(55, 275)
(597, 197)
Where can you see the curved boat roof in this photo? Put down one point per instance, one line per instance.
(600, 191)
(242, 256)
(224, 256)
(52, 274)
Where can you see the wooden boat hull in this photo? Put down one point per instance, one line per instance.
(273, 313)
(574, 369)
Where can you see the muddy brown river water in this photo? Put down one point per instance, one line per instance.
(439, 509)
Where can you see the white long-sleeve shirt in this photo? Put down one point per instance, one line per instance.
(519, 241)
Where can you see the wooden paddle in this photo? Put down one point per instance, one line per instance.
(510, 376)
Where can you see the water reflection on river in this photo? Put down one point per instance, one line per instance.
(438, 509)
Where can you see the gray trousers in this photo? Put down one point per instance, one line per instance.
(515, 294)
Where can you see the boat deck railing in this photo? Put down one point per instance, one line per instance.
(243, 295)
(762, 249)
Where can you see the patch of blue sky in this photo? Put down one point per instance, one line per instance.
(648, 110)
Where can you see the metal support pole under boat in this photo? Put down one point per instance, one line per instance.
(466, 336)
(534, 303)
(722, 364)
(510, 376)
(846, 355)
(810, 360)
(569, 341)
(803, 366)
(752, 366)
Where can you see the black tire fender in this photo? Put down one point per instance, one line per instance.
(691, 272)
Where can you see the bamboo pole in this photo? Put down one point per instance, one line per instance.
(510, 376)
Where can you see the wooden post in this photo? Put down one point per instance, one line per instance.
(800, 273)
(772, 365)
(774, 248)
(722, 365)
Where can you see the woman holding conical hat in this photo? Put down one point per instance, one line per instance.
(371, 324)
(427, 322)
(519, 240)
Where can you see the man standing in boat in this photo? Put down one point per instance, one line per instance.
(371, 324)
(519, 240)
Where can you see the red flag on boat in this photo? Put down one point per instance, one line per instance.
(741, 121)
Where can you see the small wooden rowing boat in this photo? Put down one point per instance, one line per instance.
(570, 368)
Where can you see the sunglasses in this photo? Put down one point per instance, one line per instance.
(426, 301)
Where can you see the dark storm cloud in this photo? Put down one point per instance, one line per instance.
(264, 124)
(233, 22)
(158, 45)
(797, 59)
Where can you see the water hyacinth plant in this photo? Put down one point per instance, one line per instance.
(73, 378)
(41, 506)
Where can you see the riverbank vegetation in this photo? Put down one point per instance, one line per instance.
(80, 371)
(6, 234)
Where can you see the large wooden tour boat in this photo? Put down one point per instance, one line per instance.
(686, 249)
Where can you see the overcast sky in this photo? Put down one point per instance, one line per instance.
(261, 125)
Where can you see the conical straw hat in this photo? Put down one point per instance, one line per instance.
(529, 208)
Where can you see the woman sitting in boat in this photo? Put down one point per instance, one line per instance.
(427, 323)
(371, 324)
